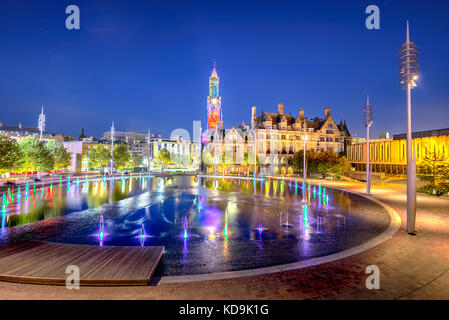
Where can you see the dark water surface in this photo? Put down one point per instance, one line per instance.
(206, 225)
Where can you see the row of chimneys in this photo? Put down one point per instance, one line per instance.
(327, 111)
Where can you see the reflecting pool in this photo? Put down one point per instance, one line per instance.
(206, 224)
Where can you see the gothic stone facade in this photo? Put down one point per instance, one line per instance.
(278, 137)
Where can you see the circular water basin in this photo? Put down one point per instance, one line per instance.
(206, 225)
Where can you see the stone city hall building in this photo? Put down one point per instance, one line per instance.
(390, 155)
(276, 137)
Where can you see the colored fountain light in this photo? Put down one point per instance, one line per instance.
(142, 236)
(260, 228)
(306, 214)
(226, 231)
(101, 232)
(185, 235)
(4, 204)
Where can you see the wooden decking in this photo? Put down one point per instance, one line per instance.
(39, 262)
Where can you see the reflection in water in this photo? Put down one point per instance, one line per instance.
(30, 206)
(205, 224)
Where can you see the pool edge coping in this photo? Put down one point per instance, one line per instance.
(393, 228)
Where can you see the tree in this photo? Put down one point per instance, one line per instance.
(248, 159)
(207, 159)
(61, 158)
(164, 156)
(98, 157)
(122, 158)
(311, 161)
(324, 162)
(35, 157)
(136, 160)
(435, 166)
(10, 154)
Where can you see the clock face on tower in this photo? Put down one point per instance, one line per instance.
(213, 102)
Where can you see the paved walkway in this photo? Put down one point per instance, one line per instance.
(412, 267)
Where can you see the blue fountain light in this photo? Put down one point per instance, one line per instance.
(306, 215)
(185, 234)
(101, 231)
(142, 236)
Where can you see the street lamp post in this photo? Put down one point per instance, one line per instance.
(41, 123)
(148, 151)
(368, 119)
(112, 147)
(408, 74)
(255, 152)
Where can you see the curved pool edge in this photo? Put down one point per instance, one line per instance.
(393, 228)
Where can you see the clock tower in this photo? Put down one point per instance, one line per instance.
(214, 114)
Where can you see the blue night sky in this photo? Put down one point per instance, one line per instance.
(147, 63)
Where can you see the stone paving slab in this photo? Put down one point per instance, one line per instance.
(412, 267)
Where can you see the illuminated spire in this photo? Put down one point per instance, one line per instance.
(214, 112)
(214, 71)
(214, 81)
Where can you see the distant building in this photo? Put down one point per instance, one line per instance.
(137, 142)
(389, 155)
(18, 132)
(384, 135)
(184, 153)
(79, 151)
(62, 138)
